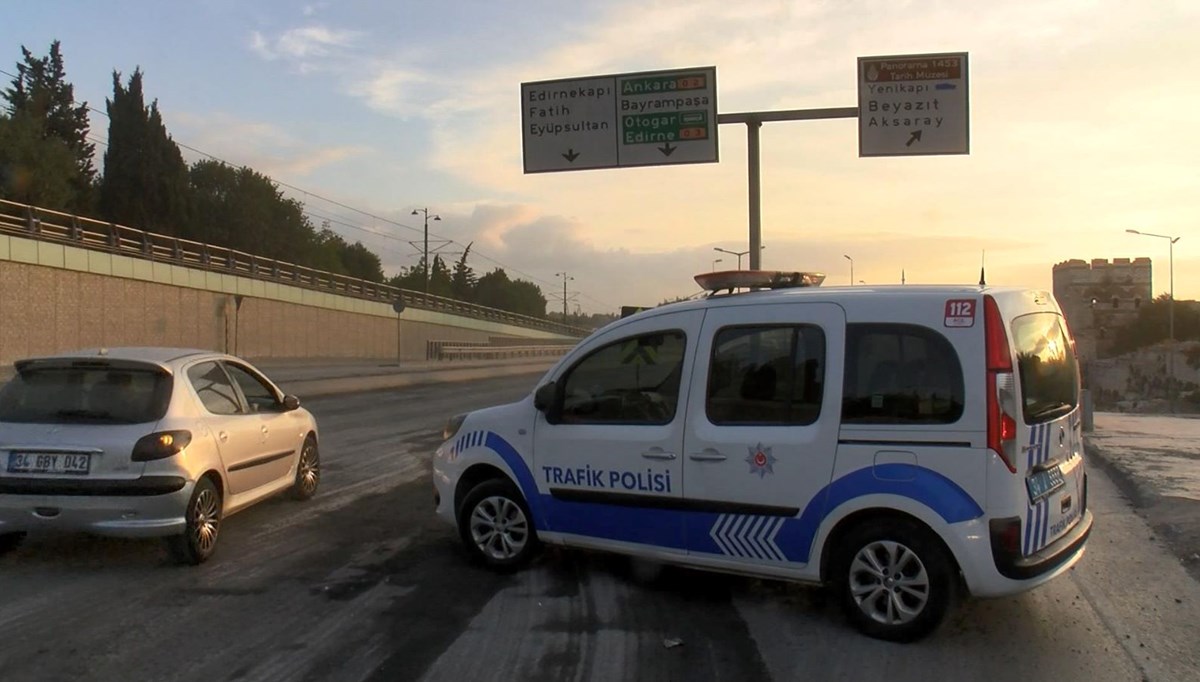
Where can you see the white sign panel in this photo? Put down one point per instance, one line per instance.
(635, 119)
(913, 105)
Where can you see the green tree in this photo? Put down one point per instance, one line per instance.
(145, 182)
(242, 209)
(463, 279)
(361, 262)
(41, 91)
(1153, 325)
(496, 290)
(34, 169)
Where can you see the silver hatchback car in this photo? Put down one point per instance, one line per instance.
(147, 442)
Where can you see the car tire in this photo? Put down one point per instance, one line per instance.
(203, 525)
(895, 578)
(10, 541)
(496, 527)
(308, 471)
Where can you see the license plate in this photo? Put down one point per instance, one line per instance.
(49, 463)
(1044, 483)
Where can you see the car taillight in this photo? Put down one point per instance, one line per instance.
(161, 445)
(1001, 427)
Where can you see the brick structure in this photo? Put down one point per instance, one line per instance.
(1100, 296)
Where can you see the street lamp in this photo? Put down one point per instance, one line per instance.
(739, 254)
(1170, 308)
(426, 250)
(851, 268)
(718, 260)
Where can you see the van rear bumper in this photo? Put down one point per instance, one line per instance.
(1051, 557)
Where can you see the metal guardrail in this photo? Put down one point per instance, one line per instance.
(497, 352)
(42, 224)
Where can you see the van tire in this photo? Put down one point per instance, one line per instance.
(496, 527)
(880, 605)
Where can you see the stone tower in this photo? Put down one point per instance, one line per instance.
(1098, 297)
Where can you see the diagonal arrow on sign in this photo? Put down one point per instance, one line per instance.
(916, 137)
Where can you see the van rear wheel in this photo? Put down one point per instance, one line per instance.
(895, 578)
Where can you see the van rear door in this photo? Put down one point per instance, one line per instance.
(1049, 430)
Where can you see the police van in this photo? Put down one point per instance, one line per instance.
(895, 443)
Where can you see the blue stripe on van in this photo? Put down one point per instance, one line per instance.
(740, 535)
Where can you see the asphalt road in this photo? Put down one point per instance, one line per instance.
(363, 583)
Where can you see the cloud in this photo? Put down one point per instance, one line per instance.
(304, 43)
(265, 147)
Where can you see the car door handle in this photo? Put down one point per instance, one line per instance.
(222, 436)
(264, 430)
(658, 453)
(708, 455)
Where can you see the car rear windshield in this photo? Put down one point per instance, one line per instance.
(1046, 364)
(85, 395)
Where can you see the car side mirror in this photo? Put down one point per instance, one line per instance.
(290, 402)
(543, 398)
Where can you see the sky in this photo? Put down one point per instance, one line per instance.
(1082, 126)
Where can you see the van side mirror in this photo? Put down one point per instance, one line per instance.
(290, 402)
(543, 398)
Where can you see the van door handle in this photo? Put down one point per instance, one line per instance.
(223, 436)
(658, 453)
(707, 455)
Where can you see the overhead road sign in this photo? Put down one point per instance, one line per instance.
(649, 118)
(913, 105)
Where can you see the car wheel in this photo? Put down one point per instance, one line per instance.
(199, 538)
(496, 526)
(308, 471)
(895, 578)
(10, 541)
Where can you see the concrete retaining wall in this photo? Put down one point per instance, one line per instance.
(55, 297)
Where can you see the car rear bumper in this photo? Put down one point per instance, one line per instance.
(150, 506)
(989, 574)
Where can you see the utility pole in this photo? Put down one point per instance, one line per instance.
(566, 278)
(425, 251)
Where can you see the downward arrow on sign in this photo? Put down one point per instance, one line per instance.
(571, 155)
(666, 149)
(916, 137)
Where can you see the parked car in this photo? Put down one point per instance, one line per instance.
(147, 442)
(895, 443)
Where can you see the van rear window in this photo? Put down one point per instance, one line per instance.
(1046, 366)
(85, 395)
(900, 374)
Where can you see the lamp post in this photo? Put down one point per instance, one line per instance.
(851, 268)
(1170, 309)
(425, 251)
(718, 260)
(739, 254)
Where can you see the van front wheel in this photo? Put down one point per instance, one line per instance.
(895, 579)
(496, 526)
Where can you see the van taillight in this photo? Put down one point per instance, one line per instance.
(1001, 427)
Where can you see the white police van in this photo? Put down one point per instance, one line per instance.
(896, 443)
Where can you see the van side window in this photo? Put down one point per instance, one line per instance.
(900, 374)
(631, 381)
(766, 375)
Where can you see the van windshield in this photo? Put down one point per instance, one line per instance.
(1046, 364)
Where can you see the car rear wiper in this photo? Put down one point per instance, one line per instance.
(1053, 409)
